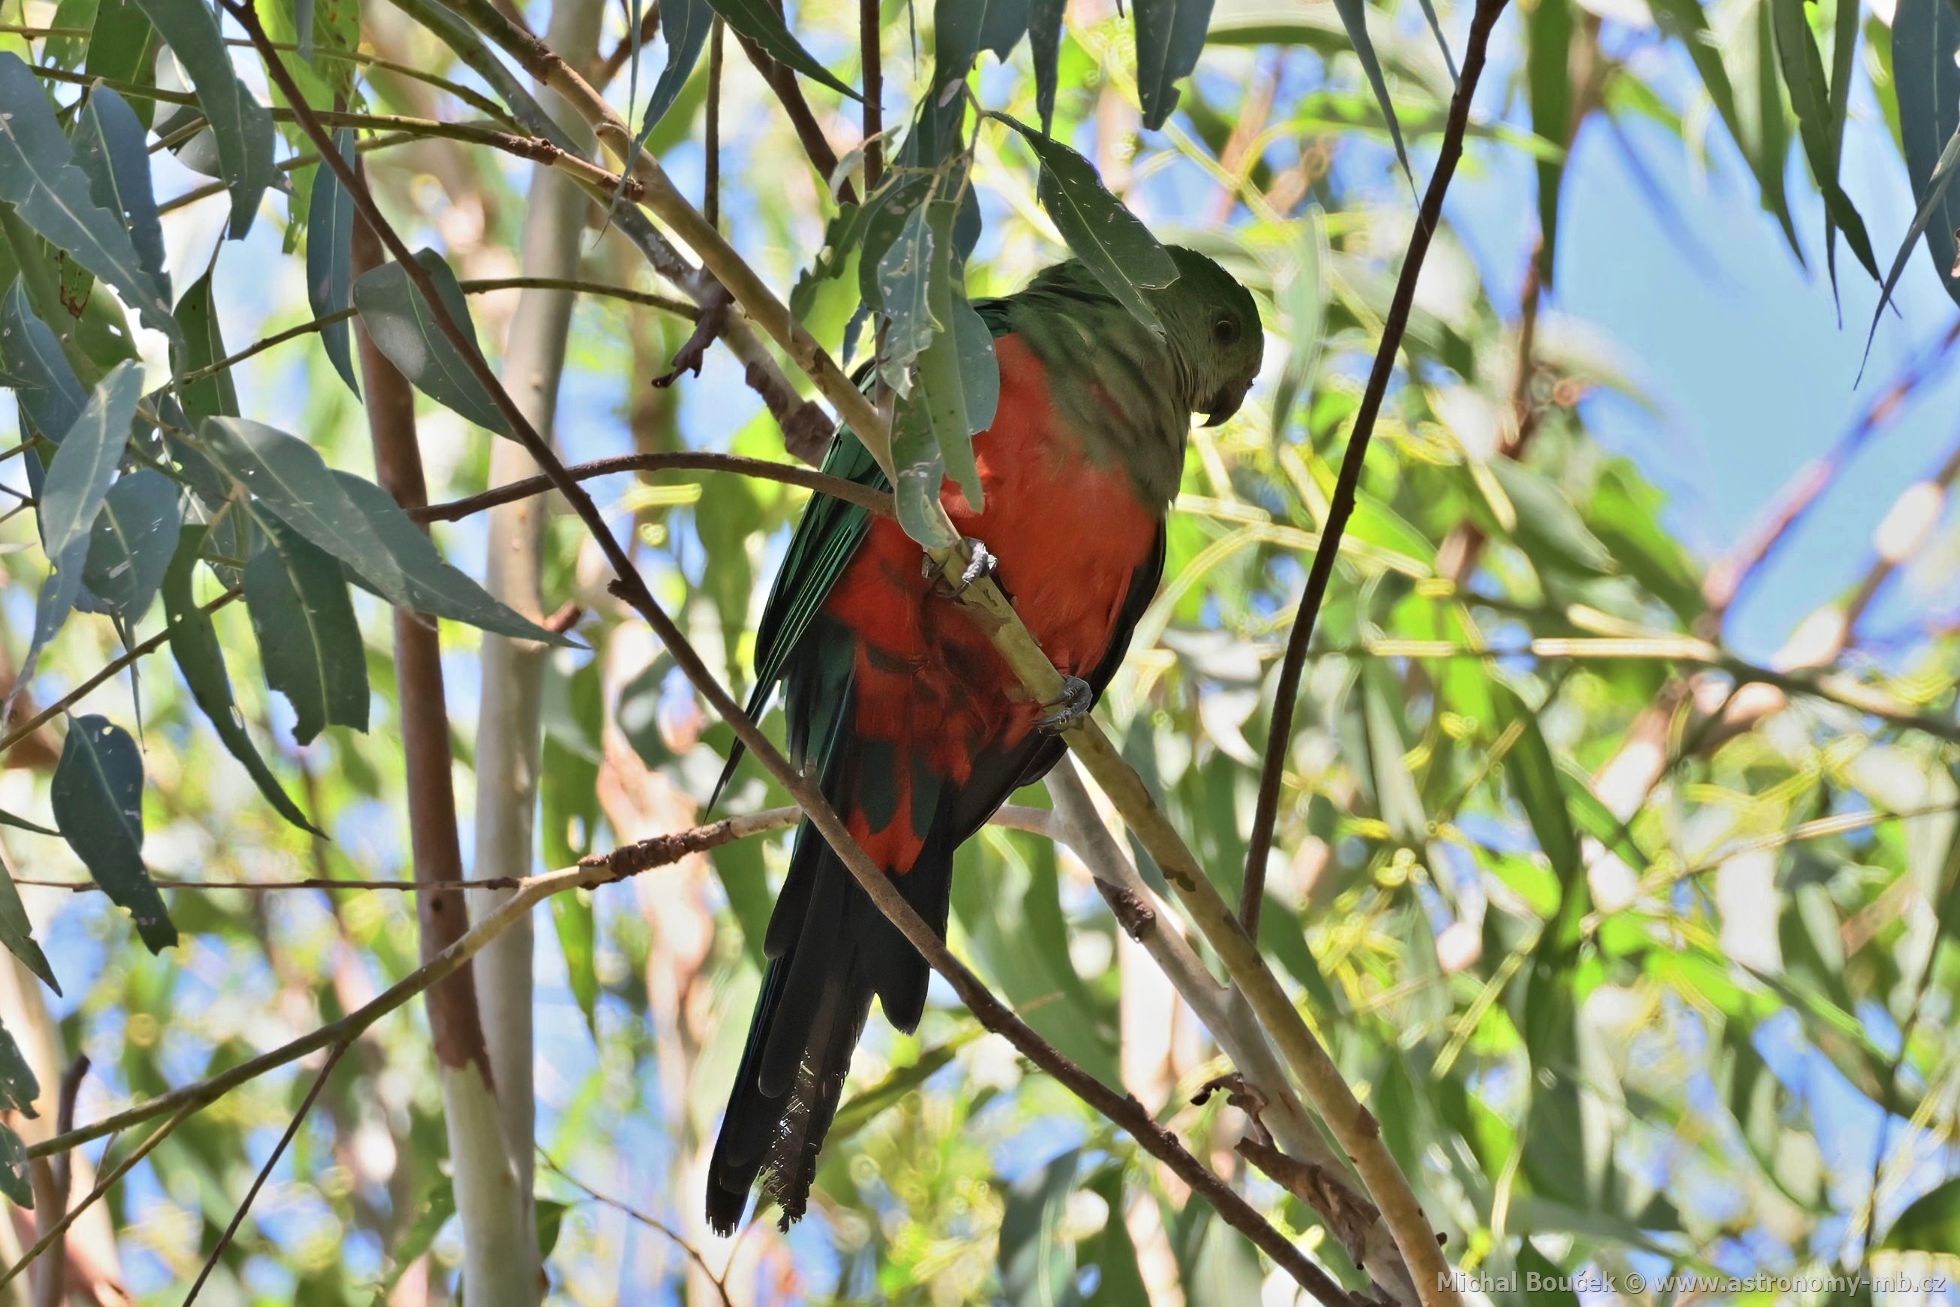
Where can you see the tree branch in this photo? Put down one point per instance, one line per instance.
(875, 501)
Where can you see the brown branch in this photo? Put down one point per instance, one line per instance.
(435, 850)
(871, 55)
(875, 501)
(1341, 507)
(789, 93)
(265, 1172)
(650, 1222)
(50, 1177)
(711, 172)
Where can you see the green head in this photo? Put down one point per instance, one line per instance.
(1211, 327)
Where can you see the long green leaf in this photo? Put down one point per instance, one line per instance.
(308, 641)
(761, 22)
(97, 795)
(201, 658)
(1803, 77)
(1170, 37)
(16, 931)
(1925, 40)
(131, 544)
(109, 146)
(330, 258)
(402, 326)
(241, 125)
(38, 176)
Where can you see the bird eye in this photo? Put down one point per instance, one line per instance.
(1225, 331)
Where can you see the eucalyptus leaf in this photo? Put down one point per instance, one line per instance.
(97, 795)
(201, 658)
(110, 147)
(16, 931)
(1170, 37)
(762, 22)
(308, 641)
(240, 125)
(202, 347)
(330, 258)
(684, 25)
(39, 177)
(402, 326)
(131, 543)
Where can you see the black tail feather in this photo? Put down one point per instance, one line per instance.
(832, 950)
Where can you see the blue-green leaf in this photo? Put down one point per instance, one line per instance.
(203, 345)
(1045, 41)
(308, 641)
(39, 178)
(45, 382)
(1110, 240)
(109, 146)
(97, 795)
(759, 21)
(1925, 39)
(16, 931)
(330, 258)
(131, 544)
(241, 125)
(684, 26)
(402, 327)
(201, 658)
(1170, 37)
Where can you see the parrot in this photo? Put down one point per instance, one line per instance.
(911, 722)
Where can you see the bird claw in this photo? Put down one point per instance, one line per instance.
(981, 562)
(1076, 699)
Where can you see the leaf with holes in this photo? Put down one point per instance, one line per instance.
(308, 641)
(38, 176)
(402, 327)
(97, 794)
(241, 126)
(201, 658)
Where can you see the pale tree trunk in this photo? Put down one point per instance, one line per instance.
(508, 736)
(500, 1257)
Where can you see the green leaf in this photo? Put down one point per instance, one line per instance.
(22, 823)
(1395, 789)
(330, 258)
(109, 146)
(1170, 37)
(122, 46)
(13, 1170)
(1549, 526)
(201, 658)
(308, 641)
(1925, 38)
(572, 916)
(684, 24)
(1548, 34)
(1037, 1265)
(1045, 42)
(203, 345)
(963, 28)
(437, 1207)
(862, 1108)
(1930, 1223)
(920, 472)
(1105, 235)
(1932, 198)
(401, 325)
(1803, 77)
(18, 1087)
(72, 495)
(430, 585)
(904, 282)
(241, 125)
(97, 794)
(45, 382)
(1301, 296)
(1110, 1250)
(1534, 780)
(1354, 19)
(39, 178)
(131, 544)
(1553, 1285)
(16, 931)
(761, 22)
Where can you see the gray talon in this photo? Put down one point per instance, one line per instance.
(1076, 699)
(981, 562)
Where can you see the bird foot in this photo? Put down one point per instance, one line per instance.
(981, 562)
(1076, 699)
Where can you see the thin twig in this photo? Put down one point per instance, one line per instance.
(1341, 506)
(107, 672)
(107, 1182)
(653, 1223)
(875, 501)
(711, 140)
(265, 1172)
(789, 93)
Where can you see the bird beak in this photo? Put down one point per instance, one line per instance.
(1223, 405)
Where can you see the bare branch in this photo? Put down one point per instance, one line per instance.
(655, 1224)
(875, 501)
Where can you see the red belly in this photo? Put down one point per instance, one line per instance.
(1069, 534)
